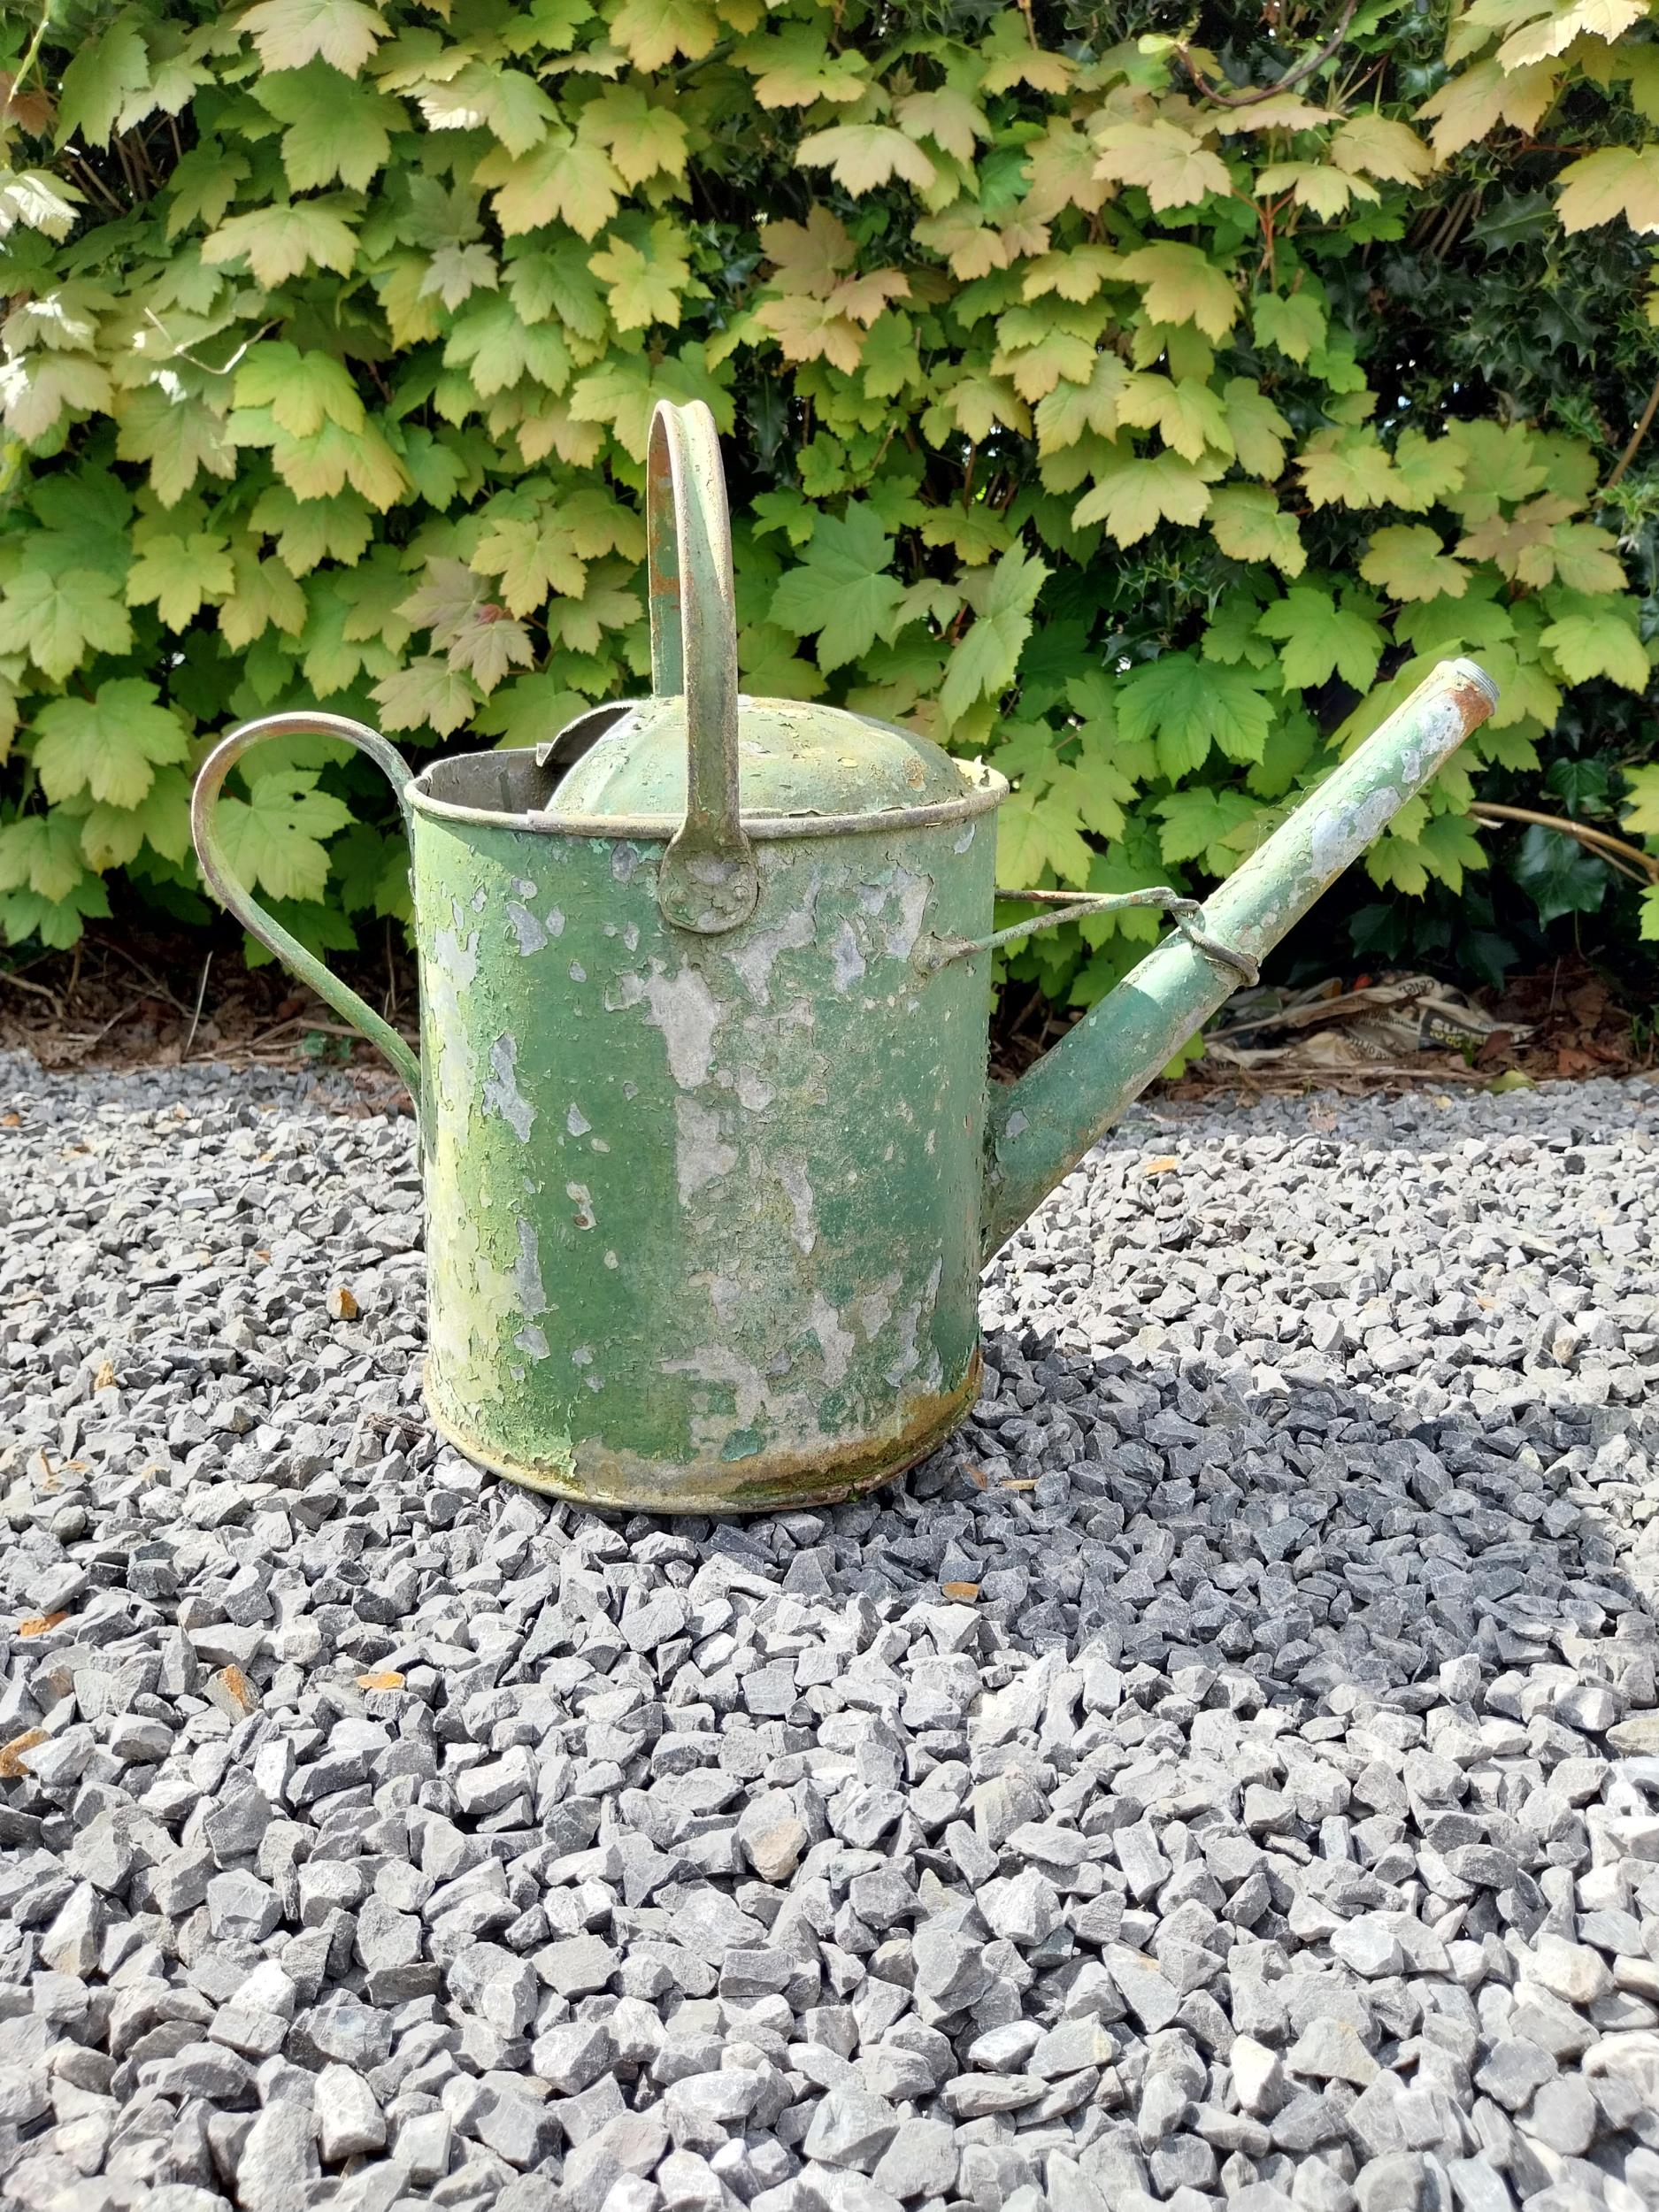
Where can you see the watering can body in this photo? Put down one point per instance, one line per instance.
(710, 1161)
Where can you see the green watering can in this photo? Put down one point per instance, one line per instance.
(712, 1161)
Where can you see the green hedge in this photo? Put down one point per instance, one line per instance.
(1091, 399)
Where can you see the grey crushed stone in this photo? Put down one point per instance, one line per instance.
(1278, 1827)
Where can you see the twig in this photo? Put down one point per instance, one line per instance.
(160, 989)
(206, 367)
(1636, 437)
(201, 992)
(1627, 858)
(1291, 77)
(36, 990)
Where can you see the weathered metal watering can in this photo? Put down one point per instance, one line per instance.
(712, 1161)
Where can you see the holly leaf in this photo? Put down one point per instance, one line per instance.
(110, 745)
(272, 839)
(1183, 285)
(982, 663)
(177, 574)
(1321, 640)
(1407, 561)
(287, 34)
(55, 619)
(1590, 639)
(1190, 705)
(841, 590)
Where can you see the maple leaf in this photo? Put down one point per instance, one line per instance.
(1470, 104)
(862, 157)
(1172, 168)
(1372, 142)
(1614, 180)
(36, 387)
(1255, 427)
(101, 76)
(1555, 32)
(111, 835)
(1189, 705)
(1186, 412)
(510, 105)
(1347, 468)
(178, 572)
(1323, 191)
(287, 34)
(1136, 496)
(500, 348)
(794, 68)
(1407, 561)
(110, 745)
(1037, 833)
(983, 662)
(606, 605)
(428, 694)
(1321, 640)
(1062, 168)
(1182, 286)
(55, 619)
(1425, 470)
(949, 117)
(283, 240)
(1500, 462)
(43, 851)
(976, 403)
(652, 33)
(1294, 322)
(531, 559)
(843, 590)
(303, 390)
(1199, 824)
(562, 179)
(644, 282)
(1588, 639)
(1640, 807)
(1249, 523)
(272, 838)
(642, 139)
(336, 128)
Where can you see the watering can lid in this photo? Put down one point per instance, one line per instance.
(794, 757)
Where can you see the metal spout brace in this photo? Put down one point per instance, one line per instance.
(1074, 906)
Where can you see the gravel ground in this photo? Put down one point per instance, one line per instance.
(1229, 1772)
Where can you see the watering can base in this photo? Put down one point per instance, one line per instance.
(774, 1482)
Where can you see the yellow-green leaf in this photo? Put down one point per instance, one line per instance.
(1407, 561)
(110, 745)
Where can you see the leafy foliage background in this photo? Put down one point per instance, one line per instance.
(1120, 393)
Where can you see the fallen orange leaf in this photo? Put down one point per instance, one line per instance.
(961, 1592)
(1018, 1482)
(237, 1683)
(388, 1680)
(1161, 1166)
(104, 1379)
(37, 1624)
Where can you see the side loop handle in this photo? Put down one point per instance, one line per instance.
(231, 893)
(708, 881)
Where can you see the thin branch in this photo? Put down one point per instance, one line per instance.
(28, 63)
(1627, 858)
(1636, 437)
(1291, 77)
(206, 367)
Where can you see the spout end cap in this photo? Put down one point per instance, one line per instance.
(1472, 672)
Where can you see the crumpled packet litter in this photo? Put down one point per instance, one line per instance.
(1326, 1025)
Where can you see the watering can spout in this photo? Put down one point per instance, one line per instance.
(1040, 1127)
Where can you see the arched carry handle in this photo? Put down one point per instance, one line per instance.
(236, 895)
(708, 881)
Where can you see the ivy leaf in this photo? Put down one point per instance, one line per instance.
(841, 590)
(272, 839)
(1184, 286)
(55, 619)
(1588, 640)
(287, 34)
(177, 574)
(1407, 562)
(110, 745)
(982, 665)
(1558, 874)
(1322, 639)
(1190, 704)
